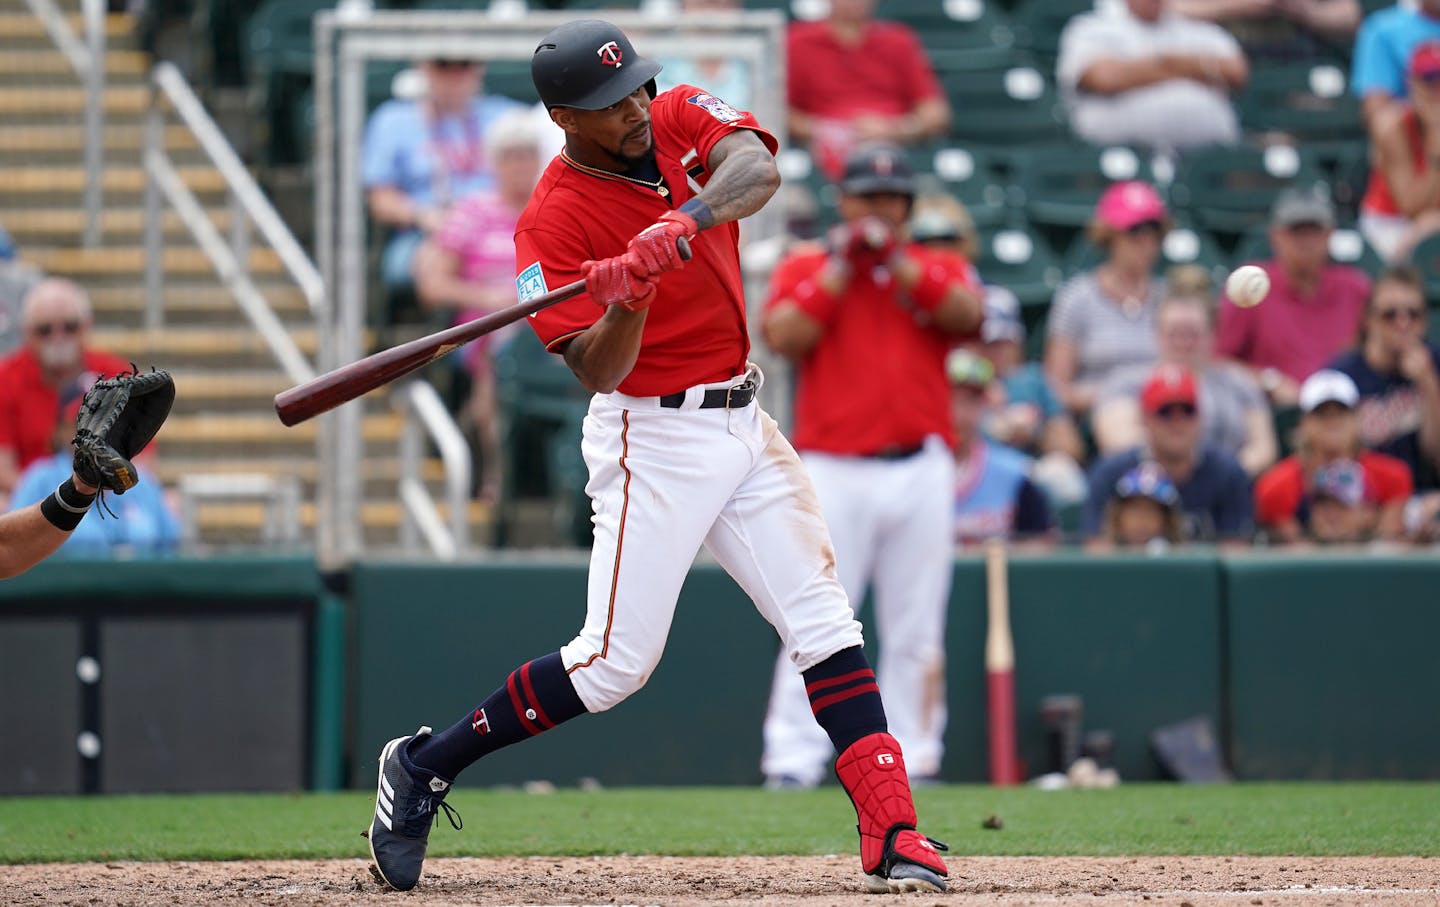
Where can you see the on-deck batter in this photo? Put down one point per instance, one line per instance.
(679, 453)
(869, 320)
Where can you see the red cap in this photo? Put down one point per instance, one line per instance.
(1166, 385)
(1425, 60)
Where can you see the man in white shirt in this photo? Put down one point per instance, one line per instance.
(1140, 74)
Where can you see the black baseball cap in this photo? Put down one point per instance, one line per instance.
(877, 168)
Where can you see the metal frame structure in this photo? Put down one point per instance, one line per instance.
(346, 40)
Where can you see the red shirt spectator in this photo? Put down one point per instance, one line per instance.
(853, 79)
(1314, 308)
(56, 321)
(1282, 491)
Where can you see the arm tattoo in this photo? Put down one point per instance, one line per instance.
(743, 177)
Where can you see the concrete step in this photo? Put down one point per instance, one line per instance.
(49, 187)
(18, 28)
(262, 437)
(175, 347)
(62, 103)
(33, 65)
(65, 143)
(240, 522)
(122, 226)
(193, 304)
(380, 476)
(109, 261)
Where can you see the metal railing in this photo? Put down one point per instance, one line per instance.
(87, 58)
(420, 407)
(247, 205)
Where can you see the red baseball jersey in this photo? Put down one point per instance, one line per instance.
(30, 408)
(695, 332)
(876, 379)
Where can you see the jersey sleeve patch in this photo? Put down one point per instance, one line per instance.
(531, 283)
(715, 107)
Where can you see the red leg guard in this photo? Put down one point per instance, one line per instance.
(872, 771)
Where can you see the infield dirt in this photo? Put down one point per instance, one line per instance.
(705, 881)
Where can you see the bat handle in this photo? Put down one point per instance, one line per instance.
(682, 245)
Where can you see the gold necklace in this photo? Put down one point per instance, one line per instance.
(656, 186)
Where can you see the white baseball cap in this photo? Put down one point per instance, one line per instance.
(1328, 386)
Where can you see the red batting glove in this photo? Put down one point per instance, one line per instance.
(655, 246)
(621, 281)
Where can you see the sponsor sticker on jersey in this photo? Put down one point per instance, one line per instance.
(715, 107)
(531, 283)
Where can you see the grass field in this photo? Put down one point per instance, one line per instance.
(1371, 819)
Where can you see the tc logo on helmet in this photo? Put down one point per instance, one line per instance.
(610, 54)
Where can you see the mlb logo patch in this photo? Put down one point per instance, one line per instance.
(716, 107)
(531, 283)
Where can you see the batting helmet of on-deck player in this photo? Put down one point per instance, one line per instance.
(589, 64)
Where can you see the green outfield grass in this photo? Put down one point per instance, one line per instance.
(1392, 819)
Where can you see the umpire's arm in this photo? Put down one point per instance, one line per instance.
(27, 537)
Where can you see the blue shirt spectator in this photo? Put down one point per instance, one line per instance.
(1382, 49)
(994, 497)
(421, 155)
(1215, 496)
(145, 524)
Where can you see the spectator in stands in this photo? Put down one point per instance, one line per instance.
(145, 524)
(994, 495)
(1281, 31)
(1234, 415)
(422, 155)
(727, 78)
(1024, 412)
(1143, 511)
(1329, 437)
(56, 320)
(1397, 372)
(1214, 490)
(1341, 513)
(943, 221)
(1314, 307)
(1402, 202)
(1386, 40)
(854, 79)
(1139, 74)
(468, 266)
(1104, 319)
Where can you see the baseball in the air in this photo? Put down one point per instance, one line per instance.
(1247, 285)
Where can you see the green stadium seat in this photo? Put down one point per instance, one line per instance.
(1060, 184)
(1347, 247)
(971, 175)
(1016, 105)
(512, 79)
(1038, 24)
(1016, 258)
(959, 34)
(1426, 257)
(1229, 190)
(1303, 100)
(280, 60)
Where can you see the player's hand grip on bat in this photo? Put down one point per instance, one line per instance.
(621, 281)
(657, 247)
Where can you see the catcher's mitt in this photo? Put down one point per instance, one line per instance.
(118, 417)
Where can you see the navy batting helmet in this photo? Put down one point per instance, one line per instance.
(589, 64)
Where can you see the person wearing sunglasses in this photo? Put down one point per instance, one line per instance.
(55, 320)
(1214, 489)
(1402, 201)
(1397, 372)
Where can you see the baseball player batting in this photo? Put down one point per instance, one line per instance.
(680, 454)
(872, 303)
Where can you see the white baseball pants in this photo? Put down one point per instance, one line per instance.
(663, 482)
(891, 521)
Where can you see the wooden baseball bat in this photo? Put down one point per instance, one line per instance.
(1000, 667)
(341, 385)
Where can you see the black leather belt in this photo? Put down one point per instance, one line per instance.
(734, 397)
(895, 453)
